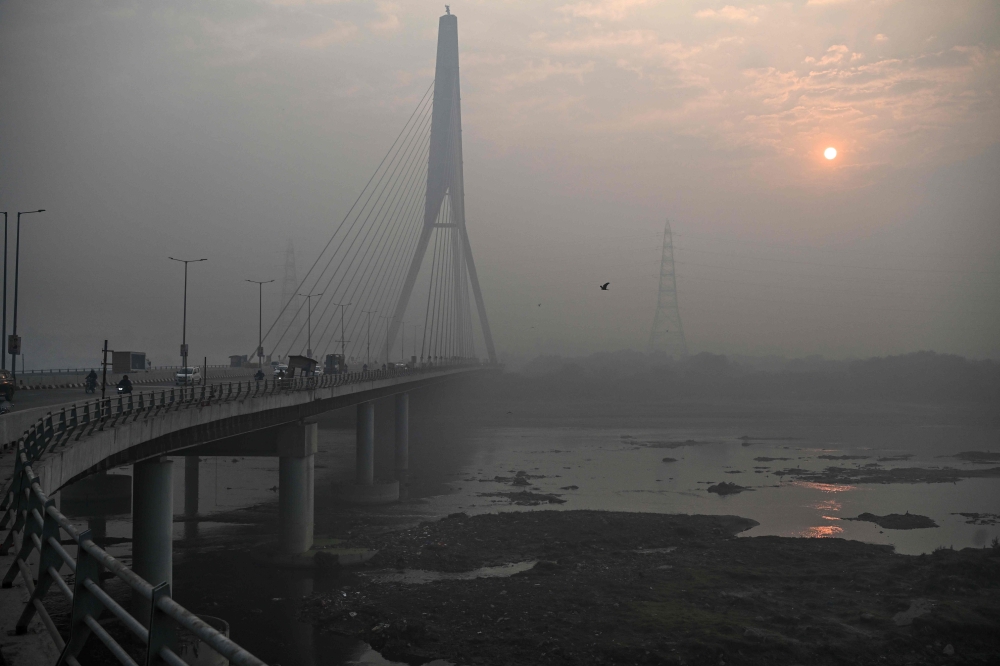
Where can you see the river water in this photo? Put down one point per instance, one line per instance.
(598, 465)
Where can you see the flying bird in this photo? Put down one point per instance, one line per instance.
(604, 287)
(539, 305)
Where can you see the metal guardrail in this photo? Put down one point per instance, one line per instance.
(82, 371)
(38, 525)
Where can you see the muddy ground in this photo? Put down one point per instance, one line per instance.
(631, 588)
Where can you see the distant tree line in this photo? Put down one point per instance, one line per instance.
(915, 377)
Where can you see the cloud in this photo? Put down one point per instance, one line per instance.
(728, 13)
(342, 31)
(388, 22)
(608, 10)
(536, 72)
(305, 3)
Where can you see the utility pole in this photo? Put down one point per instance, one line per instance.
(386, 341)
(184, 347)
(309, 326)
(3, 340)
(368, 354)
(260, 321)
(343, 340)
(14, 343)
(104, 371)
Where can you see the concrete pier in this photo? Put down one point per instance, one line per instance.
(191, 469)
(364, 490)
(152, 526)
(296, 487)
(402, 441)
(365, 445)
(192, 466)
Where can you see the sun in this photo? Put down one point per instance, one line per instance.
(830, 153)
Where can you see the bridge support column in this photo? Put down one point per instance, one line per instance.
(191, 469)
(364, 490)
(402, 442)
(192, 466)
(296, 468)
(152, 526)
(365, 450)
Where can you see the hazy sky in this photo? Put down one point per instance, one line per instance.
(226, 129)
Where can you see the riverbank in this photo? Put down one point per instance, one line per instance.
(626, 588)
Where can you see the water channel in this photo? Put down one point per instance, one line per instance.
(601, 464)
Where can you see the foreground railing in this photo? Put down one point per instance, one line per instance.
(38, 526)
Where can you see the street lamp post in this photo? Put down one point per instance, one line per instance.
(15, 348)
(260, 321)
(309, 326)
(386, 340)
(368, 353)
(343, 338)
(184, 347)
(3, 340)
(402, 340)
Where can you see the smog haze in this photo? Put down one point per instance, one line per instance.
(226, 130)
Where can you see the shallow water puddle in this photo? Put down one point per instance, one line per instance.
(421, 576)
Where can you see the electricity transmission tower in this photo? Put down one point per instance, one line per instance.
(668, 334)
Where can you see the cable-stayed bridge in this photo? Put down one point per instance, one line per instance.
(398, 268)
(401, 257)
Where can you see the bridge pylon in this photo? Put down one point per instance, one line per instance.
(445, 180)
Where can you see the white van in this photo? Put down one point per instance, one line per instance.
(187, 376)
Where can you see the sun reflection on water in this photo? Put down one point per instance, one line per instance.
(821, 531)
(824, 487)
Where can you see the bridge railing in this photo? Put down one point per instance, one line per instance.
(38, 525)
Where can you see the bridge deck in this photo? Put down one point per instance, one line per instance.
(92, 436)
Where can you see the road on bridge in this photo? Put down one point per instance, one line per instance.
(31, 398)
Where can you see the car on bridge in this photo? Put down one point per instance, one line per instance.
(187, 376)
(7, 385)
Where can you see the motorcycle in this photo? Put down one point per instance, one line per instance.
(123, 390)
(90, 387)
